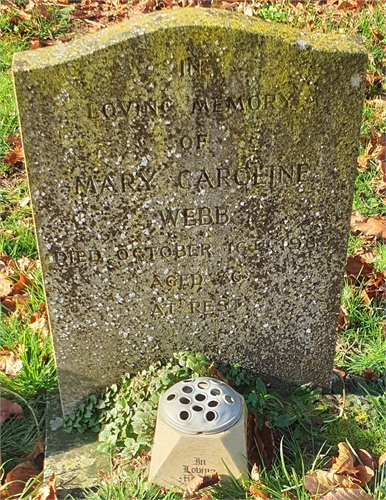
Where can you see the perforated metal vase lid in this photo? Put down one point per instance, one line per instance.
(201, 405)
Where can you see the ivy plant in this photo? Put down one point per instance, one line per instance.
(125, 416)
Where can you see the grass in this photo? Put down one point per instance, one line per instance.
(8, 115)
(284, 477)
(50, 23)
(362, 345)
(30, 386)
(272, 12)
(363, 421)
(287, 473)
(17, 238)
(374, 116)
(307, 427)
(380, 259)
(366, 201)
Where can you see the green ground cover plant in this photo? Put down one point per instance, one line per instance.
(307, 426)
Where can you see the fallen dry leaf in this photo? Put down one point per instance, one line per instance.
(370, 226)
(217, 374)
(381, 153)
(266, 445)
(365, 458)
(344, 320)
(39, 321)
(44, 12)
(14, 156)
(341, 373)
(8, 408)
(21, 299)
(48, 491)
(376, 34)
(8, 306)
(358, 267)
(375, 282)
(252, 450)
(362, 474)
(367, 254)
(365, 298)
(346, 494)
(345, 460)
(255, 474)
(376, 285)
(382, 137)
(5, 287)
(199, 482)
(5, 261)
(368, 374)
(352, 4)
(257, 492)
(382, 459)
(260, 443)
(24, 201)
(10, 364)
(21, 286)
(319, 482)
(13, 139)
(19, 476)
(363, 163)
(35, 44)
(25, 264)
(141, 462)
(287, 494)
(382, 166)
(37, 446)
(254, 489)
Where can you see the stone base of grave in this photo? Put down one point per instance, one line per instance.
(73, 458)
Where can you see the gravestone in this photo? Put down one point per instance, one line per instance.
(191, 175)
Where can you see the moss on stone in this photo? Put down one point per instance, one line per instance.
(204, 18)
(358, 434)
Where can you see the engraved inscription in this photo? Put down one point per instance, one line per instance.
(175, 251)
(240, 103)
(188, 217)
(196, 306)
(198, 142)
(199, 466)
(187, 251)
(121, 183)
(71, 257)
(151, 108)
(121, 108)
(178, 281)
(249, 175)
(190, 66)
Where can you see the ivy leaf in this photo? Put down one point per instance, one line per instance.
(284, 420)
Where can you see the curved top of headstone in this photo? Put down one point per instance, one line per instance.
(177, 19)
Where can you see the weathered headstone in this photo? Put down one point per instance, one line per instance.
(191, 174)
